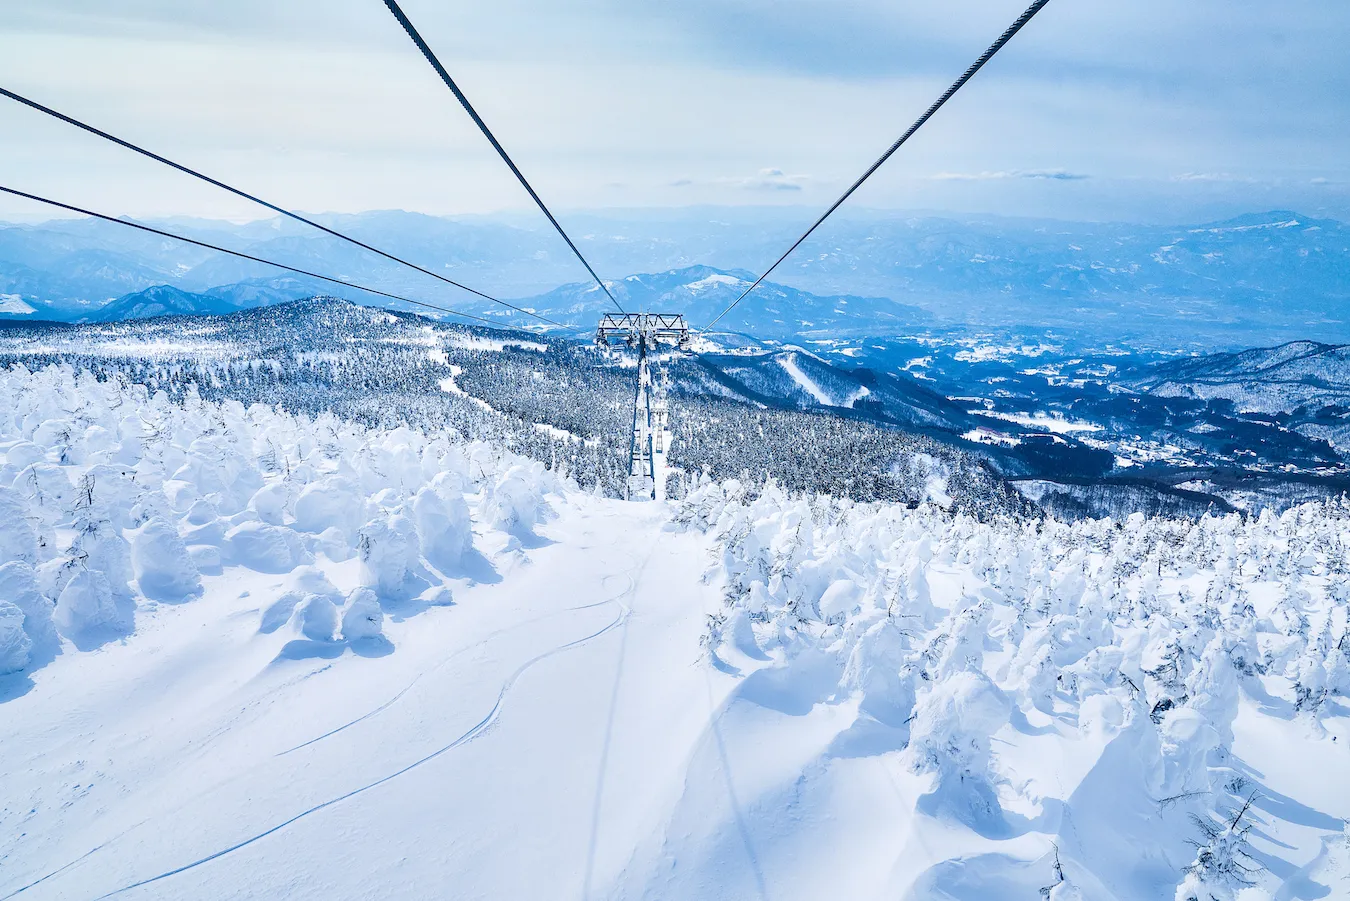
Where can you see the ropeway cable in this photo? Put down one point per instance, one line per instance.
(947, 95)
(70, 120)
(237, 253)
(492, 139)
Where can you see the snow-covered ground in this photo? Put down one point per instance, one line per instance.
(1055, 424)
(514, 744)
(337, 661)
(1100, 710)
(253, 655)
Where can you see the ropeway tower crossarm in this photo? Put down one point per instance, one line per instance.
(643, 329)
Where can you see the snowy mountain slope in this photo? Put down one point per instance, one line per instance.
(162, 300)
(562, 403)
(380, 368)
(1043, 386)
(14, 305)
(314, 659)
(1305, 363)
(802, 380)
(276, 672)
(1081, 421)
(1306, 385)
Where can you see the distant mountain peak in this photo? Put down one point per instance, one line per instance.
(162, 300)
(1270, 219)
(701, 292)
(13, 305)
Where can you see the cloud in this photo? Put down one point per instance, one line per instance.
(1214, 177)
(770, 179)
(1048, 174)
(327, 105)
(1053, 174)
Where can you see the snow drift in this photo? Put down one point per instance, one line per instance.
(1086, 709)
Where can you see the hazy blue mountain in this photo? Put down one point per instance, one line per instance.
(1255, 279)
(166, 300)
(702, 292)
(263, 292)
(162, 300)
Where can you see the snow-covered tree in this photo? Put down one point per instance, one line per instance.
(1222, 864)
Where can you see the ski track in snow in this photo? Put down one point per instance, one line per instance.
(604, 749)
(435, 669)
(36, 882)
(476, 730)
(472, 733)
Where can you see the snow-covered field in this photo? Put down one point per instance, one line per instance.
(254, 655)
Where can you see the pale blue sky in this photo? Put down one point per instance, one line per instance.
(1142, 110)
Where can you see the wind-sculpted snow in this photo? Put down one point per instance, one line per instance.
(1112, 690)
(114, 499)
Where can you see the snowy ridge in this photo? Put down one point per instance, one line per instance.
(1079, 709)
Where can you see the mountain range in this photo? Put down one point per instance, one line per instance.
(702, 292)
(166, 300)
(1303, 386)
(1096, 434)
(1256, 279)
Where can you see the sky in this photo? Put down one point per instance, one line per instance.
(1147, 110)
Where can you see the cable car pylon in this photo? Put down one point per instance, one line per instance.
(645, 332)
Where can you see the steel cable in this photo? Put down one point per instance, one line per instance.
(492, 139)
(70, 120)
(240, 254)
(946, 95)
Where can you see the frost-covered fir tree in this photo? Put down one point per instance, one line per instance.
(1223, 864)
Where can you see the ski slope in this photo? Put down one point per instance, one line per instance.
(246, 654)
(545, 716)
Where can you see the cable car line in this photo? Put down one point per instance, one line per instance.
(70, 120)
(988, 54)
(238, 253)
(492, 139)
